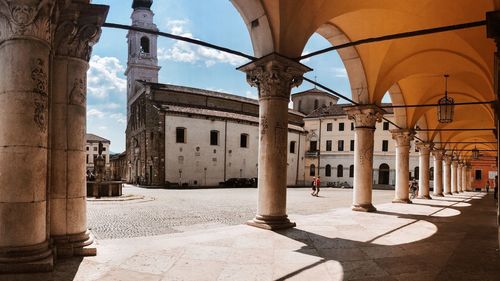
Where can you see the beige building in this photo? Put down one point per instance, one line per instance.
(92, 150)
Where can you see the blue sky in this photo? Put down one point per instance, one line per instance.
(214, 21)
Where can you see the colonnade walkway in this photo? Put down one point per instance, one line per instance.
(447, 238)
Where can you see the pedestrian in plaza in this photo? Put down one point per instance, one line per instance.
(487, 186)
(313, 184)
(317, 185)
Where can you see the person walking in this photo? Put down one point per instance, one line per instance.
(313, 186)
(317, 185)
(487, 186)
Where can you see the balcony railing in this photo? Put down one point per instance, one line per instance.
(312, 154)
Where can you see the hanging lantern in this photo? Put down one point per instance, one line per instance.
(475, 153)
(446, 105)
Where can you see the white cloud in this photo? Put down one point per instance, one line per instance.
(103, 77)
(304, 61)
(340, 72)
(95, 113)
(119, 117)
(185, 52)
(251, 95)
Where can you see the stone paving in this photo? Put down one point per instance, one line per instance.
(164, 211)
(447, 238)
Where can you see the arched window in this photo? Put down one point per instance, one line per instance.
(340, 171)
(145, 45)
(416, 172)
(316, 104)
(383, 173)
(328, 171)
(351, 171)
(431, 173)
(312, 170)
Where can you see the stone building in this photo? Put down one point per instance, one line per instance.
(184, 136)
(330, 142)
(118, 166)
(92, 150)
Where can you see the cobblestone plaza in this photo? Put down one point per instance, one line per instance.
(163, 211)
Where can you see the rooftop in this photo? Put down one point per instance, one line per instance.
(95, 138)
(338, 110)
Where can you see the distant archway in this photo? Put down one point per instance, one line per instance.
(383, 174)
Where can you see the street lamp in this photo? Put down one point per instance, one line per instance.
(446, 105)
(475, 153)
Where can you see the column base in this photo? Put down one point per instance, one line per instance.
(425, 197)
(438, 194)
(448, 193)
(36, 258)
(77, 245)
(364, 208)
(402, 201)
(271, 222)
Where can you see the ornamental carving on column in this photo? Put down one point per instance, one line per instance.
(78, 94)
(424, 147)
(447, 159)
(25, 18)
(364, 116)
(403, 137)
(40, 82)
(438, 154)
(74, 39)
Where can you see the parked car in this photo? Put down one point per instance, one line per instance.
(239, 182)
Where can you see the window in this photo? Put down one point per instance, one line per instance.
(351, 171)
(341, 126)
(316, 104)
(103, 149)
(351, 146)
(352, 126)
(385, 145)
(328, 145)
(95, 148)
(214, 137)
(244, 140)
(145, 45)
(87, 158)
(328, 171)
(341, 145)
(329, 127)
(180, 135)
(478, 174)
(386, 126)
(340, 171)
(312, 170)
(292, 146)
(87, 148)
(313, 146)
(431, 173)
(417, 172)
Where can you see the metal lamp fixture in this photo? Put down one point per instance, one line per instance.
(446, 105)
(475, 153)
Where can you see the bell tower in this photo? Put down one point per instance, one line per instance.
(142, 49)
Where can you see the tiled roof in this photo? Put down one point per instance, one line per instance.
(95, 138)
(315, 91)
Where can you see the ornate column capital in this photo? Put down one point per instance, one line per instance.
(447, 159)
(424, 147)
(438, 154)
(78, 29)
(274, 76)
(403, 137)
(364, 116)
(20, 19)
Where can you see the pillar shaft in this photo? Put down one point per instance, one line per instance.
(423, 177)
(464, 178)
(454, 168)
(459, 177)
(24, 103)
(78, 29)
(403, 138)
(274, 76)
(438, 172)
(365, 118)
(447, 174)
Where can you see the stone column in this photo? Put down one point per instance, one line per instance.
(464, 177)
(447, 174)
(438, 172)
(274, 76)
(454, 168)
(365, 118)
(78, 29)
(459, 176)
(403, 138)
(423, 177)
(24, 101)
